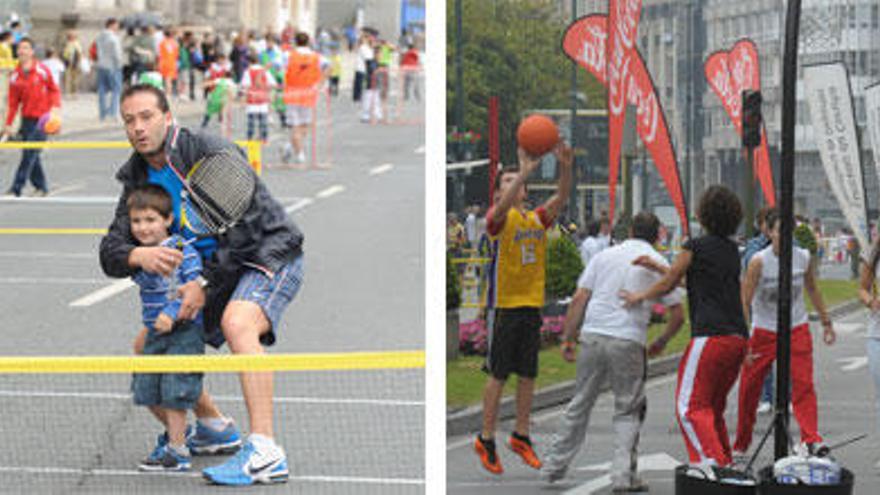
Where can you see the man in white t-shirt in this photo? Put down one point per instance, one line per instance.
(598, 238)
(613, 339)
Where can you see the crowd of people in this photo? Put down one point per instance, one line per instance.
(731, 288)
(269, 73)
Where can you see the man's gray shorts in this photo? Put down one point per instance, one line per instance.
(297, 115)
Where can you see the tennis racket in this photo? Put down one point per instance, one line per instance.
(217, 192)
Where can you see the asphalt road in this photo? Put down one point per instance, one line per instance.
(345, 432)
(846, 409)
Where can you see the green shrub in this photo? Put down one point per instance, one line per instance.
(564, 265)
(805, 238)
(453, 285)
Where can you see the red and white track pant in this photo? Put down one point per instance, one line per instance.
(762, 349)
(706, 374)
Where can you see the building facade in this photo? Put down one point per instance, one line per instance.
(676, 37)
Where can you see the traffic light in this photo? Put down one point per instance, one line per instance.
(751, 118)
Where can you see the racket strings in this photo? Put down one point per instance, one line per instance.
(222, 187)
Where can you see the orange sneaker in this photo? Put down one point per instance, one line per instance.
(523, 447)
(488, 457)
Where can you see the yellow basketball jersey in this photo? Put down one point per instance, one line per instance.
(517, 272)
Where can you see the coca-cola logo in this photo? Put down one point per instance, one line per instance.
(626, 20)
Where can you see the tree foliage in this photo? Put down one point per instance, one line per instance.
(511, 49)
(564, 265)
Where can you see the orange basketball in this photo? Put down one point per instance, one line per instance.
(537, 134)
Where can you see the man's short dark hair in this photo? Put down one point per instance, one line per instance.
(645, 226)
(507, 169)
(26, 40)
(719, 211)
(5, 35)
(772, 218)
(593, 227)
(763, 213)
(150, 197)
(301, 39)
(161, 99)
(110, 21)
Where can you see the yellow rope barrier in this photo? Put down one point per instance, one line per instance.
(214, 363)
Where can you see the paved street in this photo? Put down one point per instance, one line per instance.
(846, 409)
(363, 220)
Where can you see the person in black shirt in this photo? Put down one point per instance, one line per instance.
(712, 360)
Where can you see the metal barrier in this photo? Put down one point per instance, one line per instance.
(390, 102)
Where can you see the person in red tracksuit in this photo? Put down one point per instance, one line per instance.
(32, 88)
(759, 296)
(713, 357)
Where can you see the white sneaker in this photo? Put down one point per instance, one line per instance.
(551, 476)
(287, 153)
(301, 157)
(764, 407)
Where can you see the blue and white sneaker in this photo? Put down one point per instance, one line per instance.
(169, 461)
(162, 441)
(207, 441)
(250, 466)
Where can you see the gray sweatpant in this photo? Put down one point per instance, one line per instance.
(623, 363)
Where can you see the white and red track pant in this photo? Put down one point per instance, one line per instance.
(706, 374)
(762, 353)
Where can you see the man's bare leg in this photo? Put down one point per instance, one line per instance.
(243, 323)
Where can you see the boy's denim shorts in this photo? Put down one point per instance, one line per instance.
(272, 294)
(170, 390)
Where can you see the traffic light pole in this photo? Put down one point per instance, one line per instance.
(749, 196)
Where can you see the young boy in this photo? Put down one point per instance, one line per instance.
(167, 395)
(221, 90)
(517, 296)
(256, 84)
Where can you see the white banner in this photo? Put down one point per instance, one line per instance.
(834, 129)
(872, 107)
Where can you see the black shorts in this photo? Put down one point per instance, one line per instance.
(515, 342)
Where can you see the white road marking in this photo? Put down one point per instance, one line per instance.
(81, 200)
(63, 200)
(76, 186)
(847, 328)
(30, 394)
(467, 440)
(45, 254)
(103, 293)
(51, 280)
(196, 474)
(648, 462)
(330, 191)
(302, 203)
(591, 486)
(420, 150)
(853, 363)
(381, 169)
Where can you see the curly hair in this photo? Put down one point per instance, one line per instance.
(719, 211)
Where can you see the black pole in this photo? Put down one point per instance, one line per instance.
(789, 107)
(459, 75)
(572, 198)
